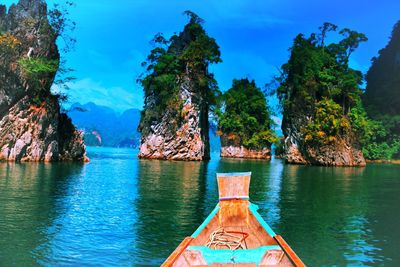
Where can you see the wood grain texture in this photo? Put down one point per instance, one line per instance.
(202, 238)
(272, 257)
(259, 232)
(233, 213)
(232, 187)
(194, 258)
(177, 252)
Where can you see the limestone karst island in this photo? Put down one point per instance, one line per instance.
(186, 133)
(32, 127)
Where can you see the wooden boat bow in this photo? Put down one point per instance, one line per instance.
(243, 237)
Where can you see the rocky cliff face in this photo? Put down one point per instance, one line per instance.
(233, 148)
(242, 152)
(32, 128)
(190, 141)
(345, 151)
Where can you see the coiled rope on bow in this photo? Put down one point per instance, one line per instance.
(230, 239)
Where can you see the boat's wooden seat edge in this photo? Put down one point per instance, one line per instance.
(177, 252)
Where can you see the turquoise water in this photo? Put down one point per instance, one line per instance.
(121, 211)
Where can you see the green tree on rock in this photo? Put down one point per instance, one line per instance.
(244, 119)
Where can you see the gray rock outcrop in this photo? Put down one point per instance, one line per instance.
(32, 128)
(190, 141)
(242, 152)
(344, 151)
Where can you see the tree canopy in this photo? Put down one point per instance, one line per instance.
(245, 118)
(316, 70)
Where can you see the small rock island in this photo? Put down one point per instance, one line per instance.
(320, 96)
(32, 127)
(179, 90)
(245, 123)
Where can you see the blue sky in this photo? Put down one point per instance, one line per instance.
(254, 36)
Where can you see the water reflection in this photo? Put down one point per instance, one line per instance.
(29, 197)
(325, 210)
(95, 227)
(120, 211)
(170, 202)
(271, 205)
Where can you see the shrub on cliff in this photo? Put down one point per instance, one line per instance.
(183, 58)
(245, 119)
(8, 45)
(39, 72)
(327, 124)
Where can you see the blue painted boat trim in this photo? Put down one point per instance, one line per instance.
(233, 256)
(253, 208)
(206, 221)
(227, 174)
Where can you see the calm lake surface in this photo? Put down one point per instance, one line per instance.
(121, 211)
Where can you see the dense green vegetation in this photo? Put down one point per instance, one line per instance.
(245, 118)
(377, 141)
(382, 101)
(328, 123)
(180, 61)
(318, 82)
(316, 70)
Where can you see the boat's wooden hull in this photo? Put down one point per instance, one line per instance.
(259, 245)
(262, 246)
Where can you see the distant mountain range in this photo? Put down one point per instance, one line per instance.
(102, 126)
